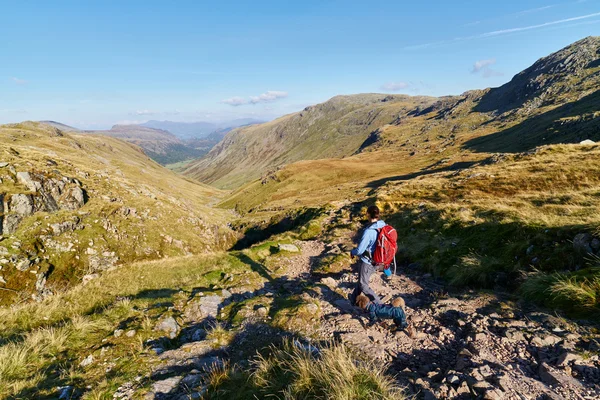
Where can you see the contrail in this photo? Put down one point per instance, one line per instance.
(503, 31)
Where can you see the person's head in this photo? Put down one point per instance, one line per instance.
(398, 302)
(362, 301)
(373, 213)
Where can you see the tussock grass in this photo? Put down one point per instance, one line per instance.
(219, 335)
(43, 343)
(578, 291)
(22, 362)
(295, 371)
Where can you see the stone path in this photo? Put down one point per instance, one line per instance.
(467, 346)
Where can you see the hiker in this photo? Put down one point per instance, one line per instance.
(365, 249)
(395, 311)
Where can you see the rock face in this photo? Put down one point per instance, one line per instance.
(169, 326)
(546, 79)
(46, 194)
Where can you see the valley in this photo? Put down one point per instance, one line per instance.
(122, 279)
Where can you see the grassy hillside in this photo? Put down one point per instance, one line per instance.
(485, 156)
(126, 208)
(554, 101)
(336, 128)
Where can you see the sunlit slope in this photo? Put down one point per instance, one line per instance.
(79, 204)
(554, 101)
(336, 128)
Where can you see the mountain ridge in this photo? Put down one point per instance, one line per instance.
(557, 92)
(247, 153)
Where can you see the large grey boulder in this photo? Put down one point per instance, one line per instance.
(21, 204)
(288, 247)
(169, 326)
(73, 198)
(582, 244)
(11, 223)
(209, 305)
(26, 179)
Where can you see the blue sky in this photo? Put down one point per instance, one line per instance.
(95, 63)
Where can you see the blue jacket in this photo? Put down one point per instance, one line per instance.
(368, 241)
(386, 311)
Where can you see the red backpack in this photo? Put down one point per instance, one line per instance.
(386, 246)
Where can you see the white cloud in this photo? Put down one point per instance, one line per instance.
(267, 97)
(394, 86)
(131, 122)
(143, 112)
(19, 81)
(485, 68)
(235, 101)
(12, 111)
(482, 64)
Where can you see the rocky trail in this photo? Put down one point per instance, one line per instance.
(468, 345)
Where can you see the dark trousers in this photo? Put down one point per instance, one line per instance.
(365, 270)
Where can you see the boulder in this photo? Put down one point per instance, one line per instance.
(11, 223)
(169, 326)
(329, 282)
(165, 386)
(555, 378)
(73, 199)
(25, 179)
(587, 142)
(566, 358)
(89, 277)
(209, 305)
(548, 340)
(21, 204)
(87, 361)
(23, 265)
(582, 244)
(288, 247)
(262, 312)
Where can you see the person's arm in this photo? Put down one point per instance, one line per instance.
(365, 241)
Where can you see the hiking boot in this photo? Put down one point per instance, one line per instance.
(411, 331)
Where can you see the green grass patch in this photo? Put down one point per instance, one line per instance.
(296, 371)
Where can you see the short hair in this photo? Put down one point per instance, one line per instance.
(373, 212)
(362, 301)
(398, 302)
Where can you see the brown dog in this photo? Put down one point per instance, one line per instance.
(363, 301)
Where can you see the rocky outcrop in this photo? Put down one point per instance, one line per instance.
(44, 193)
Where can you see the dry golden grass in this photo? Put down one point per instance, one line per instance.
(137, 209)
(296, 371)
(60, 332)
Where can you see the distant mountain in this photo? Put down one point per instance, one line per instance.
(556, 100)
(160, 145)
(183, 130)
(336, 128)
(195, 130)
